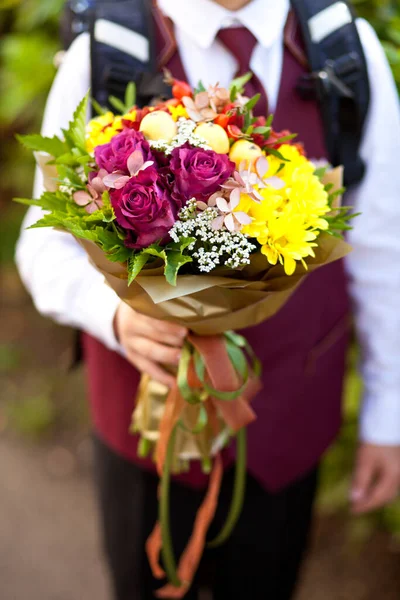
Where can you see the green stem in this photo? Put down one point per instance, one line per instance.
(144, 447)
(238, 491)
(167, 548)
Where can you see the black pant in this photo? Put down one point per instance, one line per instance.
(259, 562)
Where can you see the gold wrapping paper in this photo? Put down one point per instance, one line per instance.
(146, 418)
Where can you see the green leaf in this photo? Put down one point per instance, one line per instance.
(108, 211)
(175, 260)
(276, 153)
(27, 201)
(233, 94)
(240, 82)
(263, 130)
(49, 220)
(66, 159)
(53, 146)
(320, 172)
(117, 104)
(184, 242)
(172, 256)
(76, 132)
(75, 157)
(51, 201)
(118, 231)
(136, 264)
(130, 96)
(69, 176)
(109, 240)
(286, 138)
(157, 251)
(252, 102)
(269, 121)
(100, 110)
(200, 88)
(120, 254)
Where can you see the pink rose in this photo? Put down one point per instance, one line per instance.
(113, 157)
(145, 209)
(199, 173)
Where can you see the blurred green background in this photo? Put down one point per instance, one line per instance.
(34, 401)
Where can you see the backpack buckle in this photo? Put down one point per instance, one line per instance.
(327, 80)
(331, 78)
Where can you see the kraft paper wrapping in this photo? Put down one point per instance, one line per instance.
(207, 305)
(214, 304)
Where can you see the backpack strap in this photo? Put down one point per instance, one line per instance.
(123, 49)
(340, 77)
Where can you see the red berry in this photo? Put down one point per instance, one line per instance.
(229, 107)
(180, 89)
(222, 121)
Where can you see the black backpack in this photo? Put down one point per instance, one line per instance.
(338, 72)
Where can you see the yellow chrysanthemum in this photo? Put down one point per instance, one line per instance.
(307, 196)
(130, 116)
(294, 160)
(178, 111)
(284, 238)
(102, 129)
(289, 217)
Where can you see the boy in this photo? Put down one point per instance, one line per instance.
(299, 415)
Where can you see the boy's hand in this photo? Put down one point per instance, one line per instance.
(376, 477)
(149, 343)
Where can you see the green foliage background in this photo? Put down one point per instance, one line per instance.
(29, 32)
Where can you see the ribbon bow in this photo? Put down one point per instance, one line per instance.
(215, 374)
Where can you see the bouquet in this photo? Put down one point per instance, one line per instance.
(199, 213)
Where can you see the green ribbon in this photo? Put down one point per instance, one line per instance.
(167, 551)
(189, 394)
(241, 342)
(239, 362)
(239, 490)
(201, 424)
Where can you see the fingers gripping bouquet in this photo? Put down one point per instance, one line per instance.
(199, 213)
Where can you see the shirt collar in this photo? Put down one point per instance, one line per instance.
(202, 19)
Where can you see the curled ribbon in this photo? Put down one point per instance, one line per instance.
(214, 373)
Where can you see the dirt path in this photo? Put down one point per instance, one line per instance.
(48, 532)
(49, 547)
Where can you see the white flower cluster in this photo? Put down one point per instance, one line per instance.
(212, 247)
(185, 134)
(80, 171)
(70, 189)
(65, 189)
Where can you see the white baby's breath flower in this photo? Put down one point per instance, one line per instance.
(184, 135)
(212, 248)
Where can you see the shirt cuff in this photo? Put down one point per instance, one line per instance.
(380, 418)
(99, 323)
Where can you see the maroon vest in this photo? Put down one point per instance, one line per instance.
(302, 348)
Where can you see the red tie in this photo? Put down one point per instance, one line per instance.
(241, 43)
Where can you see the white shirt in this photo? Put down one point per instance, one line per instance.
(67, 288)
